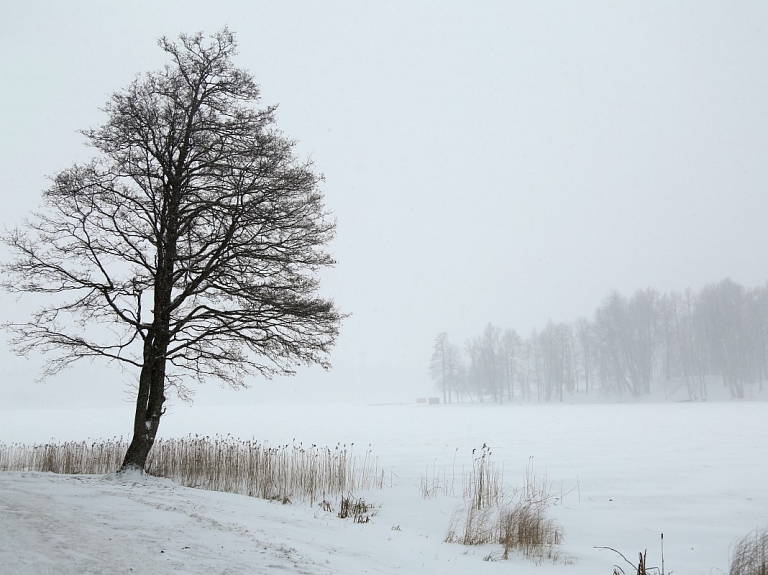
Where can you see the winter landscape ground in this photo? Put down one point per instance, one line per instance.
(618, 474)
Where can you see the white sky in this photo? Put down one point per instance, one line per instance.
(493, 161)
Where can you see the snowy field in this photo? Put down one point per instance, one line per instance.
(622, 474)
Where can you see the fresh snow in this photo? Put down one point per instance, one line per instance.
(622, 474)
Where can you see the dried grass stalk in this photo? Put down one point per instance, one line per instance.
(749, 556)
(214, 463)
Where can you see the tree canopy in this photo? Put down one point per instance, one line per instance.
(188, 247)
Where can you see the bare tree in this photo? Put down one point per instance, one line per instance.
(625, 329)
(189, 245)
(584, 338)
(688, 350)
(486, 363)
(445, 366)
(722, 316)
(492, 365)
(643, 316)
(556, 354)
(510, 349)
(455, 369)
(474, 376)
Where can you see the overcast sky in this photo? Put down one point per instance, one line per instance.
(505, 162)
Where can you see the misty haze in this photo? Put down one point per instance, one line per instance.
(384, 287)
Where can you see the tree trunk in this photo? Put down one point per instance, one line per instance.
(149, 409)
(151, 395)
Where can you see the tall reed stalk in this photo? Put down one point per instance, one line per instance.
(219, 463)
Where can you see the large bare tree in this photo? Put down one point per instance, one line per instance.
(190, 244)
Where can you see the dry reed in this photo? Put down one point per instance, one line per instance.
(525, 528)
(436, 481)
(357, 509)
(476, 521)
(749, 556)
(483, 484)
(71, 457)
(490, 515)
(215, 463)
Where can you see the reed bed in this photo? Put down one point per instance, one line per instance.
(517, 519)
(476, 521)
(70, 457)
(219, 463)
(749, 556)
(483, 485)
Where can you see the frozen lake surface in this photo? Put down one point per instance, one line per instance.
(622, 474)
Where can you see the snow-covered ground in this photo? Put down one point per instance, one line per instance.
(625, 473)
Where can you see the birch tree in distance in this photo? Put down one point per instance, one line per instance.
(188, 247)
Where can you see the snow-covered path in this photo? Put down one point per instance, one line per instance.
(63, 524)
(105, 524)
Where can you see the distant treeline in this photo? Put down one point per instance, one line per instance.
(677, 340)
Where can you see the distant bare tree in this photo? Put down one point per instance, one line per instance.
(625, 329)
(678, 339)
(474, 376)
(488, 372)
(510, 350)
(722, 317)
(455, 371)
(556, 357)
(760, 327)
(491, 362)
(666, 341)
(643, 321)
(690, 351)
(189, 245)
(446, 368)
(584, 337)
(438, 365)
